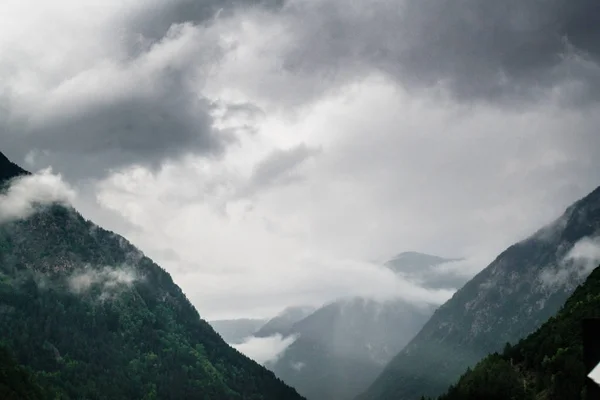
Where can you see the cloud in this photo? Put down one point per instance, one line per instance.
(110, 280)
(28, 193)
(577, 264)
(298, 366)
(585, 255)
(430, 176)
(280, 167)
(524, 50)
(266, 152)
(100, 102)
(264, 350)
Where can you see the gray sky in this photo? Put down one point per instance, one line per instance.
(267, 153)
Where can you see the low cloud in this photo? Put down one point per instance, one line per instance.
(585, 255)
(579, 262)
(27, 194)
(265, 350)
(110, 279)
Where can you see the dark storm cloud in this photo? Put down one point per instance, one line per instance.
(478, 48)
(154, 22)
(141, 109)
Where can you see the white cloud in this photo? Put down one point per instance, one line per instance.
(26, 194)
(585, 255)
(298, 366)
(577, 264)
(110, 278)
(264, 350)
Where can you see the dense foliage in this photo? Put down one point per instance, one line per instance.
(93, 318)
(547, 365)
(16, 382)
(511, 298)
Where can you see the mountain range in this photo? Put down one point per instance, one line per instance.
(341, 347)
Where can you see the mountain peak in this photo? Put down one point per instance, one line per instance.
(9, 170)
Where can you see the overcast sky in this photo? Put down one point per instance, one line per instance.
(267, 153)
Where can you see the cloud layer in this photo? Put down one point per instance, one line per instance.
(271, 153)
(264, 350)
(27, 194)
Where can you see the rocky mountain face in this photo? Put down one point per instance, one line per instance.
(342, 347)
(234, 331)
(508, 300)
(92, 318)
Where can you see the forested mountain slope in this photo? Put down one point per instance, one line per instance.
(93, 318)
(547, 365)
(509, 299)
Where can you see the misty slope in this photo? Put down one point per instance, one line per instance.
(508, 300)
(547, 365)
(283, 322)
(94, 318)
(343, 346)
(234, 331)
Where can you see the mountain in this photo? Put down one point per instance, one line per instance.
(283, 322)
(93, 318)
(234, 331)
(548, 364)
(427, 271)
(343, 346)
(509, 299)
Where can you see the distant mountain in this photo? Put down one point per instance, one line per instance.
(92, 318)
(427, 270)
(343, 346)
(548, 364)
(234, 331)
(283, 322)
(508, 300)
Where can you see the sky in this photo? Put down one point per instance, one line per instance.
(270, 153)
